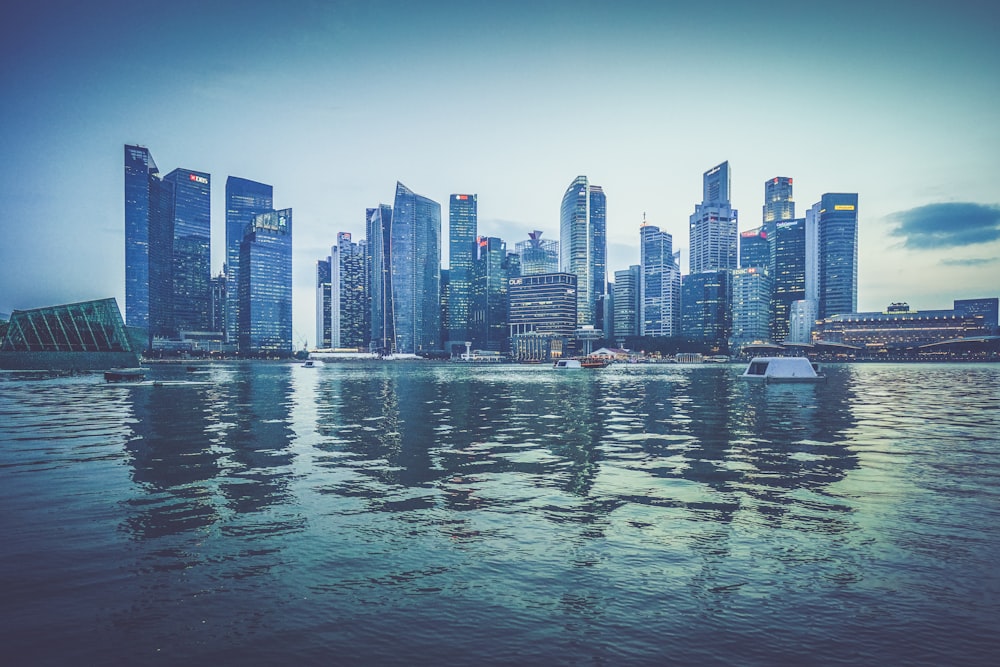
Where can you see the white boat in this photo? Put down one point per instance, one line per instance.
(782, 369)
(309, 364)
(567, 365)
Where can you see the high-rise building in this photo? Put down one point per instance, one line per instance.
(542, 315)
(538, 255)
(713, 225)
(217, 323)
(838, 254)
(245, 199)
(416, 272)
(801, 320)
(755, 248)
(627, 303)
(378, 225)
(778, 202)
(265, 285)
(462, 250)
(583, 244)
(660, 311)
(141, 198)
(352, 302)
(488, 307)
(751, 305)
(788, 273)
(191, 257)
(324, 303)
(706, 306)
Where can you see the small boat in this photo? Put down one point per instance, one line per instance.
(309, 364)
(567, 365)
(594, 362)
(124, 375)
(783, 369)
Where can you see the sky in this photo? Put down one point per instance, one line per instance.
(332, 103)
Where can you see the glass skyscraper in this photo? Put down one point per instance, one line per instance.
(706, 306)
(141, 192)
(378, 226)
(838, 254)
(626, 303)
(583, 244)
(416, 272)
(542, 315)
(778, 202)
(751, 305)
(191, 270)
(265, 285)
(788, 274)
(245, 199)
(538, 255)
(462, 233)
(324, 303)
(713, 225)
(660, 313)
(755, 248)
(488, 308)
(352, 304)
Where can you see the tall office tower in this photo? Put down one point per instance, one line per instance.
(583, 244)
(462, 232)
(788, 273)
(378, 226)
(626, 307)
(217, 323)
(706, 306)
(542, 315)
(141, 203)
(660, 284)
(416, 272)
(245, 200)
(713, 224)
(352, 301)
(755, 248)
(838, 254)
(324, 304)
(751, 305)
(778, 202)
(538, 255)
(191, 269)
(265, 285)
(488, 308)
(812, 254)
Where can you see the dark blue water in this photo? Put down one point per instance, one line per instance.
(418, 513)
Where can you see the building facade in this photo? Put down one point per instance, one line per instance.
(142, 185)
(751, 306)
(463, 216)
(352, 300)
(542, 316)
(988, 308)
(838, 254)
(415, 234)
(778, 202)
(265, 285)
(191, 256)
(713, 225)
(378, 224)
(245, 200)
(627, 305)
(755, 248)
(788, 273)
(583, 244)
(324, 303)
(707, 305)
(898, 328)
(660, 284)
(488, 327)
(538, 255)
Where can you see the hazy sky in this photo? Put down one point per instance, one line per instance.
(333, 102)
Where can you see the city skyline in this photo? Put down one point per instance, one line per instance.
(910, 131)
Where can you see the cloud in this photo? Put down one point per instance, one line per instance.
(971, 261)
(947, 225)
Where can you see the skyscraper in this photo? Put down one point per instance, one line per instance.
(378, 225)
(778, 202)
(660, 285)
(416, 272)
(713, 225)
(488, 307)
(706, 306)
(838, 254)
(583, 244)
(751, 305)
(627, 306)
(324, 303)
(191, 257)
(265, 285)
(755, 248)
(788, 274)
(141, 192)
(542, 315)
(352, 304)
(245, 199)
(538, 255)
(462, 232)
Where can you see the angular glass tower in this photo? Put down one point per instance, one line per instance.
(788, 273)
(265, 285)
(416, 272)
(191, 270)
(141, 187)
(245, 200)
(324, 310)
(378, 226)
(462, 231)
(538, 255)
(583, 245)
(488, 308)
(838, 254)
(713, 225)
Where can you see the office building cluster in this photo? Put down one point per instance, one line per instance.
(169, 290)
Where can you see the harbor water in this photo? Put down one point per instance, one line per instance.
(403, 513)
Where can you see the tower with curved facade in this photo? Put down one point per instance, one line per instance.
(583, 245)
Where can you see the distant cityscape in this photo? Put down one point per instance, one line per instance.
(786, 283)
(787, 280)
